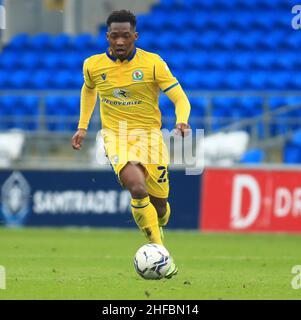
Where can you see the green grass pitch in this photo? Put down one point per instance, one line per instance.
(98, 264)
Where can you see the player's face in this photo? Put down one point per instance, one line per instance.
(122, 37)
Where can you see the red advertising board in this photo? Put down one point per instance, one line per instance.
(251, 200)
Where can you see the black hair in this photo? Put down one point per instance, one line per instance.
(122, 16)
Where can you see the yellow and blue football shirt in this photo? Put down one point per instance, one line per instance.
(129, 90)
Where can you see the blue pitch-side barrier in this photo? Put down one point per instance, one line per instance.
(86, 198)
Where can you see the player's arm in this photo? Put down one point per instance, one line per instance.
(87, 104)
(182, 108)
(171, 87)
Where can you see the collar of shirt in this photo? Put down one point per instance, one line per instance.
(110, 56)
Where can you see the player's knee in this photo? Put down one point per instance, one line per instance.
(138, 191)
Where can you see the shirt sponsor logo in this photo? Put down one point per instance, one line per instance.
(121, 94)
(121, 103)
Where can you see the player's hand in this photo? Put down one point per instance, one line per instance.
(182, 129)
(78, 138)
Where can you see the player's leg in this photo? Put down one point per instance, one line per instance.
(132, 177)
(163, 209)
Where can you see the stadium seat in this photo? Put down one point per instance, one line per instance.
(29, 60)
(296, 138)
(40, 79)
(253, 156)
(4, 79)
(61, 79)
(291, 153)
(83, 41)
(31, 106)
(235, 81)
(39, 42)
(51, 60)
(18, 80)
(60, 42)
(9, 60)
(19, 42)
(7, 106)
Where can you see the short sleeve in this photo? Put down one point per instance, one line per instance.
(87, 76)
(163, 75)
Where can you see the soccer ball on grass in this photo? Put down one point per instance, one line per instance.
(152, 261)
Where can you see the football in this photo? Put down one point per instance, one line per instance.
(152, 261)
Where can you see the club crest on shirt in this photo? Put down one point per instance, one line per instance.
(103, 76)
(137, 75)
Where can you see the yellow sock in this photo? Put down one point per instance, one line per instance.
(164, 220)
(145, 216)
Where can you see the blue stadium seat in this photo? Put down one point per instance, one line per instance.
(71, 105)
(208, 40)
(241, 60)
(51, 60)
(30, 60)
(40, 79)
(60, 42)
(273, 41)
(147, 23)
(220, 119)
(291, 153)
(77, 81)
(74, 61)
(194, 60)
(168, 112)
(84, 41)
(56, 114)
(191, 80)
(19, 42)
(263, 60)
(252, 105)
(253, 156)
(257, 80)
(100, 44)
(178, 60)
(229, 41)
(250, 41)
(7, 107)
(276, 102)
(235, 80)
(296, 138)
(296, 81)
(147, 40)
(61, 79)
(9, 60)
(279, 80)
(31, 106)
(177, 22)
(4, 79)
(39, 42)
(209, 80)
(197, 113)
(286, 60)
(18, 80)
(219, 61)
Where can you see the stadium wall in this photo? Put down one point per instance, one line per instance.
(221, 200)
(86, 198)
(251, 200)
